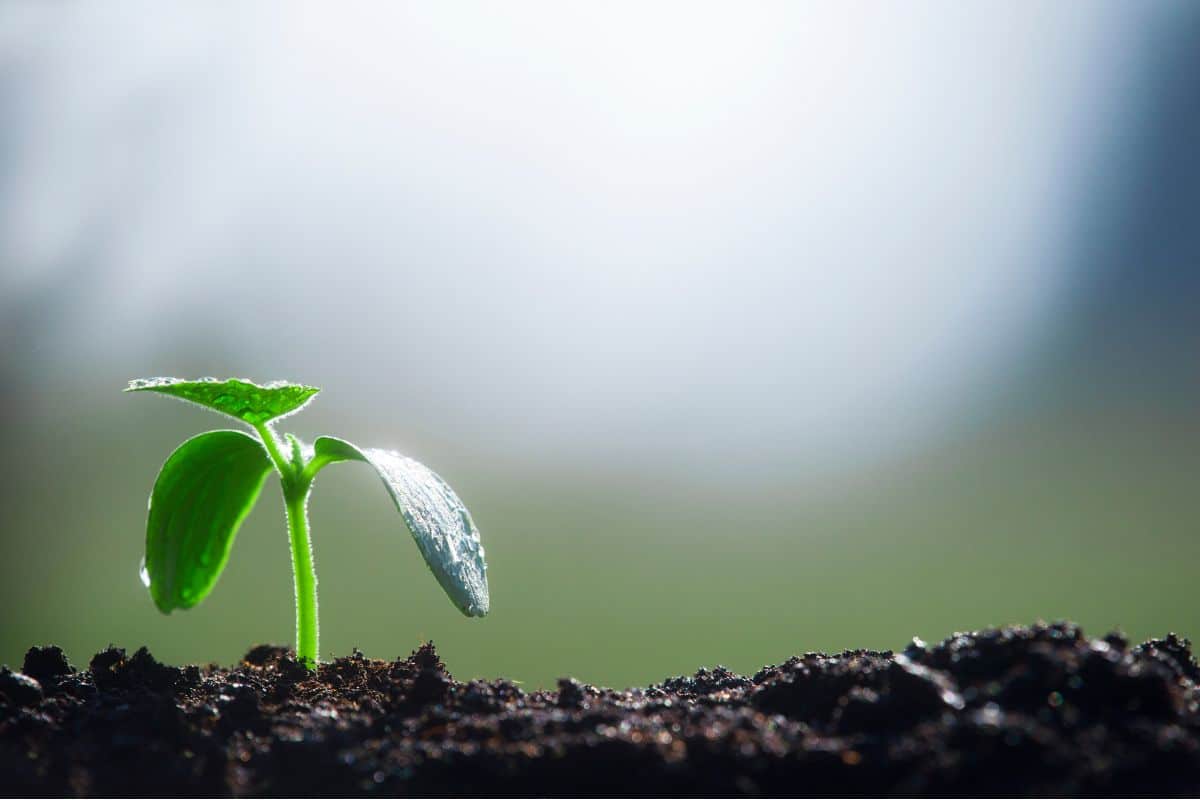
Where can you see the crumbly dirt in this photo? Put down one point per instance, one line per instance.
(1020, 710)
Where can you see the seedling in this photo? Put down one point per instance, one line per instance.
(210, 483)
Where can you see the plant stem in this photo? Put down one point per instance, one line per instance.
(305, 578)
(296, 483)
(268, 439)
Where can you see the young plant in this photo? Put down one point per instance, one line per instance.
(210, 483)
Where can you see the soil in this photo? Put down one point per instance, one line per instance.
(1020, 710)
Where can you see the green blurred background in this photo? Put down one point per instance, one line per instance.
(741, 334)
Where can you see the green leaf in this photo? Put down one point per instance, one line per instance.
(241, 399)
(203, 492)
(439, 522)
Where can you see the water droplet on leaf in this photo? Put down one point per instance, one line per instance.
(144, 573)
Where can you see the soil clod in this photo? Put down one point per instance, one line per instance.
(46, 663)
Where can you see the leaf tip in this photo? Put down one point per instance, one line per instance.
(142, 384)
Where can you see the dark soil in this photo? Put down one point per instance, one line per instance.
(1039, 710)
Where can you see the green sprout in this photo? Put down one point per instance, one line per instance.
(209, 484)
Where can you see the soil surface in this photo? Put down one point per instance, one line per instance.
(1037, 710)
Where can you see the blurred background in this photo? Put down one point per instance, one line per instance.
(742, 330)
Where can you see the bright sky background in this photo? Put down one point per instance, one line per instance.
(743, 329)
(666, 230)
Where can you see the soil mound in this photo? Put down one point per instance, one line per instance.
(1018, 710)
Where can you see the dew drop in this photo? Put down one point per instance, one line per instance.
(144, 573)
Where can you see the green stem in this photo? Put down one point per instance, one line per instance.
(268, 438)
(296, 501)
(296, 484)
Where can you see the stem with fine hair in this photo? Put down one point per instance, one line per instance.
(296, 500)
(296, 483)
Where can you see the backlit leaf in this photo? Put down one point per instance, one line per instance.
(238, 398)
(202, 494)
(439, 522)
